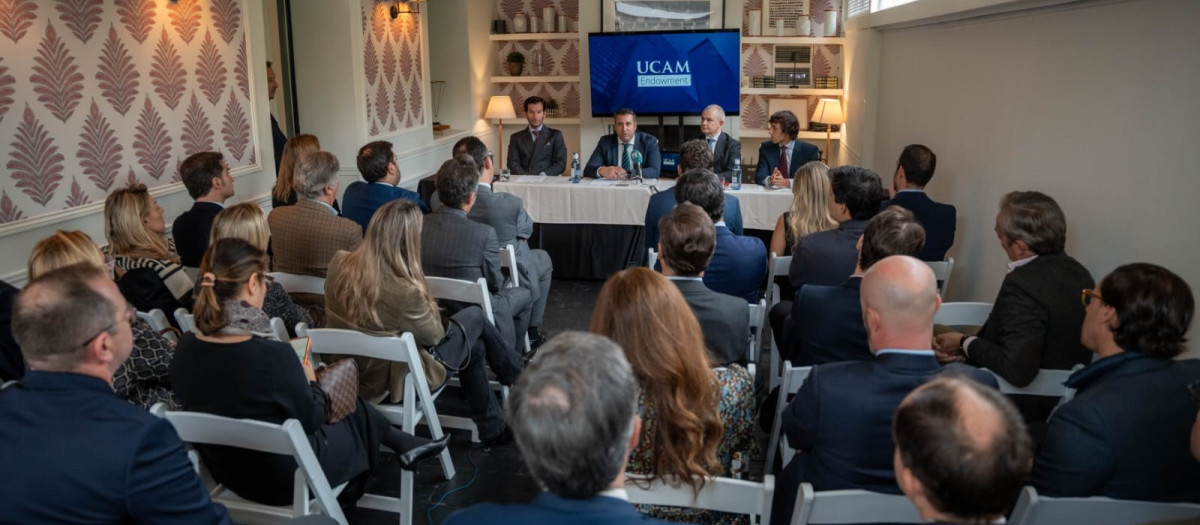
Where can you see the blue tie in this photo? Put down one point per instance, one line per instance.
(712, 145)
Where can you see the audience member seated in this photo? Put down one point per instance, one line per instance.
(1122, 436)
(574, 418)
(74, 451)
(207, 180)
(779, 157)
(305, 236)
(913, 172)
(962, 452)
(380, 289)
(537, 148)
(838, 420)
(809, 211)
(284, 192)
(380, 171)
(739, 264)
(505, 213)
(12, 365)
(1035, 320)
(247, 222)
(725, 149)
(692, 154)
(614, 156)
(826, 322)
(231, 368)
(143, 378)
(456, 247)
(694, 418)
(688, 239)
(149, 270)
(828, 257)
(1196, 430)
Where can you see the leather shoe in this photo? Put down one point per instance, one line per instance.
(410, 458)
(503, 438)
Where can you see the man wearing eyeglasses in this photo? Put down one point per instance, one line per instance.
(1034, 322)
(74, 451)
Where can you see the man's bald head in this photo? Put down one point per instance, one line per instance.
(902, 291)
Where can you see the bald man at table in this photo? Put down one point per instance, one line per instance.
(614, 155)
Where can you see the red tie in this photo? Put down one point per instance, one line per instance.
(535, 136)
(783, 167)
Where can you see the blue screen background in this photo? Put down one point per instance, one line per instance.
(713, 58)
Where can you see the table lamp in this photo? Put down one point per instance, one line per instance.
(829, 112)
(500, 107)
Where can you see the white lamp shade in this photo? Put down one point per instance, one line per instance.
(829, 111)
(500, 106)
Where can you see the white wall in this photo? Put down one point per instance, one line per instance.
(1093, 104)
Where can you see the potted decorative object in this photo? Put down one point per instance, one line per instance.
(516, 63)
(551, 107)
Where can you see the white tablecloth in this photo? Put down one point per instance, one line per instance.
(554, 200)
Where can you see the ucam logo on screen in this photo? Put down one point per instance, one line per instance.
(664, 73)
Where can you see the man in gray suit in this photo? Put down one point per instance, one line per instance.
(456, 247)
(537, 148)
(725, 149)
(506, 214)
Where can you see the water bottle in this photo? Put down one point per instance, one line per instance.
(736, 183)
(575, 173)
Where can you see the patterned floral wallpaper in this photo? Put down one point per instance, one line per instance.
(392, 63)
(96, 93)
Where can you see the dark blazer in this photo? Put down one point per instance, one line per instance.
(191, 231)
(724, 320)
(738, 266)
(663, 202)
(841, 422)
(305, 236)
(826, 258)
(726, 151)
(1034, 324)
(549, 508)
(938, 220)
(768, 159)
(548, 155)
(1124, 436)
(77, 453)
(12, 363)
(362, 198)
(278, 141)
(826, 326)
(608, 153)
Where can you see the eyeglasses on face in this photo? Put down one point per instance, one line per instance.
(1088, 294)
(130, 315)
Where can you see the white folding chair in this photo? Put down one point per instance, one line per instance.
(793, 378)
(508, 259)
(1047, 383)
(962, 314)
(158, 321)
(295, 283)
(851, 506)
(941, 271)
(758, 315)
(651, 258)
(720, 494)
(417, 406)
(778, 265)
(279, 329)
(186, 322)
(287, 439)
(1034, 509)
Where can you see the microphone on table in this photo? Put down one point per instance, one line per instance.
(636, 158)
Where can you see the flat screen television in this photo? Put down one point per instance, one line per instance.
(664, 72)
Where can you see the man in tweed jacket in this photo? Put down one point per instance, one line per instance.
(305, 236)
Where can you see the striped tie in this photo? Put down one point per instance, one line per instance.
(625, 164)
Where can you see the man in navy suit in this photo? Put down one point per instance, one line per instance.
(537, 148)
(962, 452)
(207, 180)
(693, 154)
(380, 172)
(780, 157)
(839, 420)
(826, 322)
(725, 149)
(914, 169)
(614, 155)
(74, 451)
(573, 414)
(739, 264)
(278, 139)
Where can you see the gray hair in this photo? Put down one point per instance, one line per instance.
(714, 107)
(572, 414)
(313, 173)
(1035, 218)
(57, 314)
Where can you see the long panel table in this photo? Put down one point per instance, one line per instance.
(594, 228)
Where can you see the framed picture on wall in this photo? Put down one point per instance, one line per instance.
(661, 15)
(787, 12)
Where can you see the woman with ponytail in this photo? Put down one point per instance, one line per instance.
(233, 368)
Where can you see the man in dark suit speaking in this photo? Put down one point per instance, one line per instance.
(537, 148)
(614, 155)
(780, 157)
(914, 169)
(725, 150)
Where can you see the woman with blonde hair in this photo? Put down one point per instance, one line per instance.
(143, 378)
(296, 147)
(134, 227)
(247, 221)
(380, 289)
(810, 208)
(693, 417)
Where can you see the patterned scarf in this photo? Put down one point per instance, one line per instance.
(244, 318)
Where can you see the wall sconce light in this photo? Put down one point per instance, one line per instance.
(404, 7)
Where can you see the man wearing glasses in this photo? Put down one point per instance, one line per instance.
(75, 452)
(1035, 320)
